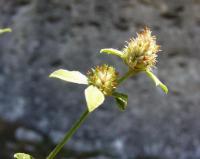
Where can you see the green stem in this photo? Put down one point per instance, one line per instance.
(78, 123)
(126, 75)
(68, 135)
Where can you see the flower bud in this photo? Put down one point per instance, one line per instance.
(104, 78)
(140, 53)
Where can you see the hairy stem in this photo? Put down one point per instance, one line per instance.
(68, 135)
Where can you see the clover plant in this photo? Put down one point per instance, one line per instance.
(139, 55)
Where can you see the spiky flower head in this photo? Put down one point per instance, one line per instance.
(140, 53)
(104, 77)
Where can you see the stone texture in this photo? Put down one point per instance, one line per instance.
(52, 34)
(24, 134)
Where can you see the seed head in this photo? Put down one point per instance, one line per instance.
(140, 53)
(104, 78)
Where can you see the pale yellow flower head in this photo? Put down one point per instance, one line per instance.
(104, 77)
(140, 53)
(101, 81)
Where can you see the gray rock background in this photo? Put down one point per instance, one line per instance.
(35, 111)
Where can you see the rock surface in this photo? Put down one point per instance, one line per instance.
(52, 34)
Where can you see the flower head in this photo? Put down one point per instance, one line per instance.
(140, 53)
(104, 78)
(101, 81)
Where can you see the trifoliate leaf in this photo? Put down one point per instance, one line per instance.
(70, 76)
(112, 51)
(94, 97)
(22, 156)
(157, 81)
(121, 100)
(5, 30)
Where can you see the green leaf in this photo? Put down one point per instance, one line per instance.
(112, 51)
(121, 100)
(22, 156)
(70, 76)
(5, 30)
(94, 97)
(157, 81)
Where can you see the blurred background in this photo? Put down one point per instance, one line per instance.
(36, 111)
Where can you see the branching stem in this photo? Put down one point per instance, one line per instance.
(78, 123)
(126, 75)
